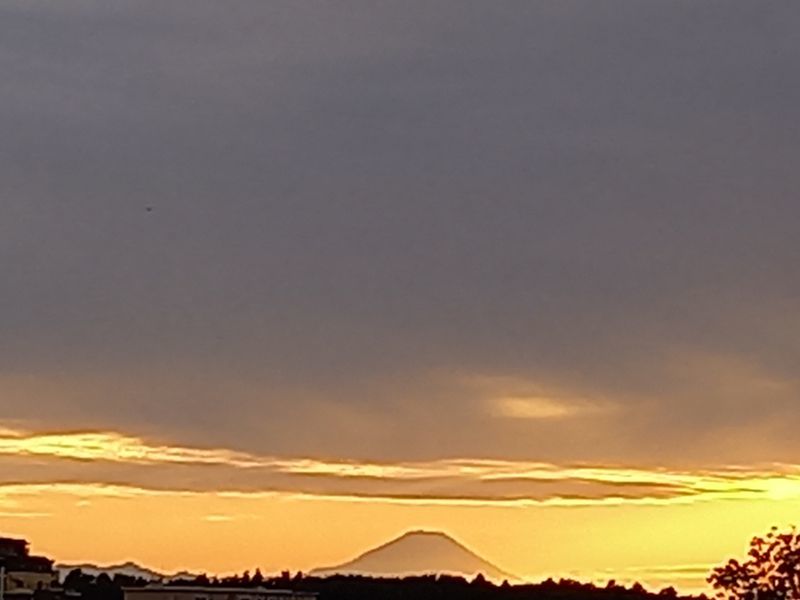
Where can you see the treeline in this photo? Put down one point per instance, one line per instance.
(443, 587)
(85, 586)
(350, 587)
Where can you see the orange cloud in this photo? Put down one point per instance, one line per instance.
(466, 482)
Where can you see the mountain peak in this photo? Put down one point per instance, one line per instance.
(424, 533)
(418, 552)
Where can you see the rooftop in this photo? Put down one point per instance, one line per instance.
(13, 547)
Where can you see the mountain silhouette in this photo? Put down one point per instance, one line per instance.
(129, 569)
(418, 553)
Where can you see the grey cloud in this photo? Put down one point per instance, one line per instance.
(351, 199)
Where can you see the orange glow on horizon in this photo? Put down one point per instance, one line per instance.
(668, 527)
(223, 533)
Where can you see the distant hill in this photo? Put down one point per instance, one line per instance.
(418, 553)
(130, 569)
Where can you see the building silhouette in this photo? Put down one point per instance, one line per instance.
(22, 575)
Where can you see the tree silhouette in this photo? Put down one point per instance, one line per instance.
(772, 571)
(74, 580)
(84, 586)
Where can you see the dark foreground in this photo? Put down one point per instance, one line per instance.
(86, 587)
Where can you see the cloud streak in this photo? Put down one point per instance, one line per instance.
(543, 408)
(141, 465)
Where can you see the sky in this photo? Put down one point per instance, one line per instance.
(291, 278)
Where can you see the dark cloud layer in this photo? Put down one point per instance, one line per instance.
(359, 208)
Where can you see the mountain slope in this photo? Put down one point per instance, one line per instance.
(130, 569)
(415, 553)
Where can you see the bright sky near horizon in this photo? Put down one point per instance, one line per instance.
(109, 498)
(282, 280)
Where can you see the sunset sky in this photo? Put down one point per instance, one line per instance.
(282, 280)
